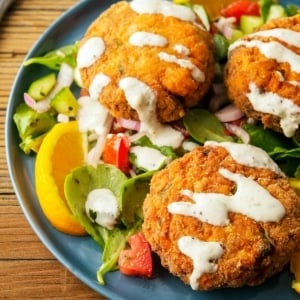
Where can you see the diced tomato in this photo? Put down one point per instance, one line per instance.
(239, 8)
(136, 261)
(116, 152)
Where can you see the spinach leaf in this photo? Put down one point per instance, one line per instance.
(266, 139)
(83, 180)
(133, 194)
(55, 58)
(165, 150)
(115, 243)
(204, 126)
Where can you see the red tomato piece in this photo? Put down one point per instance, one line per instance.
(116, 152)
(136, 261)
(239, 8)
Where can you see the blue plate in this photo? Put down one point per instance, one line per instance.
(81, 255)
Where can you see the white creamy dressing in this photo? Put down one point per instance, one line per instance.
(92, 115)
(197, 74)
(165, 8)
(203, 254)
(248, 155)
(289, 36)
(268, 102)
(181, 49)
(272, 50)
(100, 81)
(147, 158)
(103, 203)
(143, 38)
(90, 52)
(189, 146)
(250, 199)
(143, 99)
(272, 103)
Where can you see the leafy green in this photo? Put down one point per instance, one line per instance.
(144, 141)
(83, 180)
(115, 243)
(79, 183)
(133, 193)
(55, 58)
(221, 45)
(284, 151)
(281, 153)
(265, 138)
(203, 126)
(165, 150)
(265, 6)
(291, 10)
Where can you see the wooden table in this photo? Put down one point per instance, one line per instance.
(27, 269)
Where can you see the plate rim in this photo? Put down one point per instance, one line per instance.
(101, 290)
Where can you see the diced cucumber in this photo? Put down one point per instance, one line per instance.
(41, 87)
(65, 102)
(276, 11)
(236, 34)
(249, 24)
(31, 126)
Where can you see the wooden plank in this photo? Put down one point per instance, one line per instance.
(51, 281)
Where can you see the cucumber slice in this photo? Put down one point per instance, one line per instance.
(249, 24)
(65, 102)
(276, 11)
(41, 87)
(236, 34)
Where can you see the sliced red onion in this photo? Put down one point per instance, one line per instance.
(225, 26)
(227, 31)
(239, 132)
(229, 113)
(40, 107)
(29, 101)
(129, 124)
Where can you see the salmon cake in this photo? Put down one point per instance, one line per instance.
(263, 75)
(218, 218)
(155, 44)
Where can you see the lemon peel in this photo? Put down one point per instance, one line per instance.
(61, 151)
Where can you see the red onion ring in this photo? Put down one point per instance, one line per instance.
(229, 113)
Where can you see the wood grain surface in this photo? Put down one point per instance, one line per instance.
(27, 269)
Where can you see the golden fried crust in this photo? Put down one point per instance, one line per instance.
(247, 65)
(253, 251)
(175, 88)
